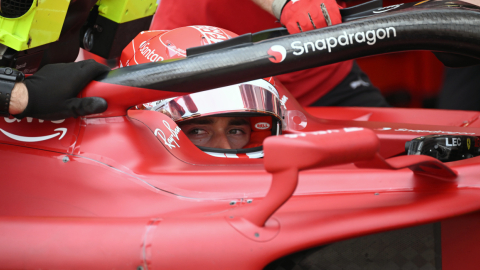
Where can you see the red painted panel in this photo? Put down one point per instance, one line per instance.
(461, 242)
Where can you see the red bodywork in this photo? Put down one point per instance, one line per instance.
(110, 191)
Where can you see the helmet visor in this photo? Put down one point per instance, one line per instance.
(248, 97)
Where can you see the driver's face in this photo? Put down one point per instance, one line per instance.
(218, 132)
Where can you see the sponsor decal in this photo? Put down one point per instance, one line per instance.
(30, 120)
(149, 53)
(262, 125)
(170, 141)
(385, 9)
(62, 133)
(469, 143)
(370, 37)
(211, 34)
(455, 142)
(284, 100)
(173, 50)
(277, 53)
(433, 131)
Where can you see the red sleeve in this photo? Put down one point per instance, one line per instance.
(244, 16)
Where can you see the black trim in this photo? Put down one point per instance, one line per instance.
(231, 151)
(242, 40)
(360, 11)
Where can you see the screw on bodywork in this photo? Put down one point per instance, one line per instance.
(249, 201)
(232, 203)
(257, 234)
(376, 193)
(65, 159)
(140, 268)
(231, 216)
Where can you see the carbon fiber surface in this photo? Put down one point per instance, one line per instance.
(437, 25)
(416, 248)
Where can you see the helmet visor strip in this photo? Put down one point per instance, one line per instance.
(240, 98)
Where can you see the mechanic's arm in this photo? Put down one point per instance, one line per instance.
(303, 15)
(51, 93)
(19, 99)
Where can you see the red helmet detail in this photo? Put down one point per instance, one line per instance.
(154, 46)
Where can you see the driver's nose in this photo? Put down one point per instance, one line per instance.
(222, 141)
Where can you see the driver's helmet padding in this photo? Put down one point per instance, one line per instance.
(258, 99)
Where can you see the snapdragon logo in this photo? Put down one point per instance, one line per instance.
(277, 53)
(370, 37)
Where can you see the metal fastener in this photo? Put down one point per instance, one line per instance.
(376, 193)
(249, 201)
(233, 203)
(257, 234)
(65, 159)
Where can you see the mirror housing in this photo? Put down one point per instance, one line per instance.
(286, 155)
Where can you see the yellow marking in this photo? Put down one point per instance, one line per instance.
(421, 2)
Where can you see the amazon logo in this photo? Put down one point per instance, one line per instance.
(56, 133)
(60, 132)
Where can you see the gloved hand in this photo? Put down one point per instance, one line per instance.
(305, 15)
(53, 90)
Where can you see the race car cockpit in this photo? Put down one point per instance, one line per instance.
(230, 121)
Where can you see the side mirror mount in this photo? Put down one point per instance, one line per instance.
(286, 155)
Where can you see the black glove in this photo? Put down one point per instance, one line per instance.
(53, 90)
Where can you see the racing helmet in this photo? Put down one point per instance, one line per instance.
(257, 100)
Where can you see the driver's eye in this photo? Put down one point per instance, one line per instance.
(236, 131)
(197, 131)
